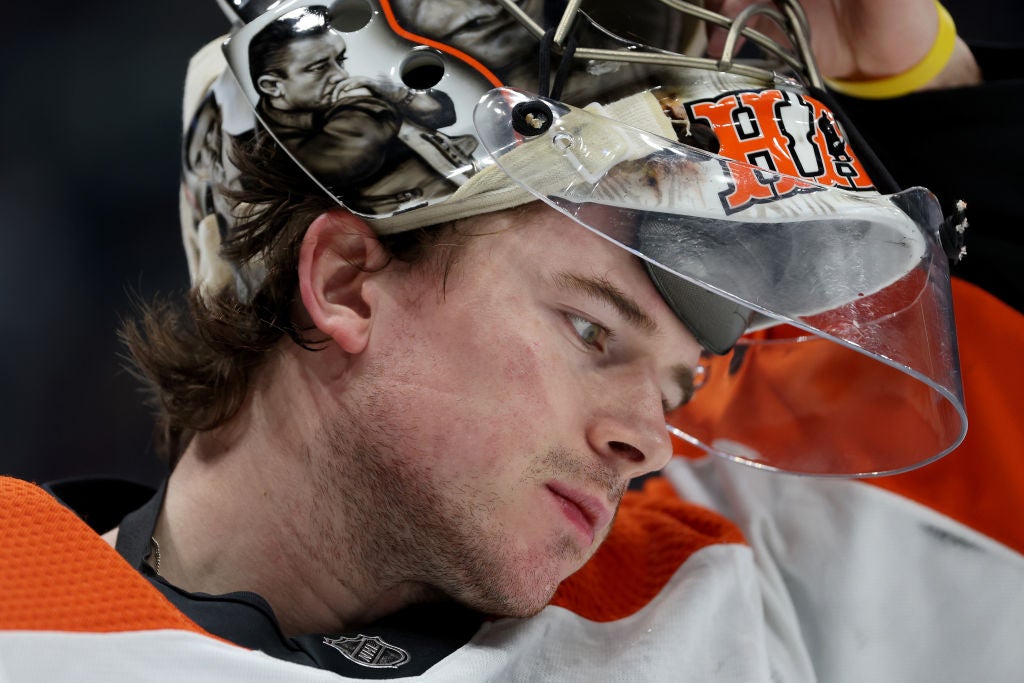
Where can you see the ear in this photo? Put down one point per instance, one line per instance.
(269, 85)
(339, 253)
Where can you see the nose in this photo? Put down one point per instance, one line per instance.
(338, 72)
(627, 426)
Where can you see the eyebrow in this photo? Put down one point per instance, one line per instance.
(325, 60)
(603, 290)
(599, 288)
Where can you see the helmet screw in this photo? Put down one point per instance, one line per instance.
(562, 142)
(531, 118)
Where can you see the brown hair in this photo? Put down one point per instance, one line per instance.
(196, 359)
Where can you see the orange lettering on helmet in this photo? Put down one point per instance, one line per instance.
(754, 185)
(789, 138)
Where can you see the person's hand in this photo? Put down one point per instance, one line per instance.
(397, 94)
(348, 87)
(860, 40)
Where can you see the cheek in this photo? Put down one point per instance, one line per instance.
(491, 393)
(479, 380)
(294, 88)
(509, 401)
(525, 379)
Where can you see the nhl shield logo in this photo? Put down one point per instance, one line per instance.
(369, 651)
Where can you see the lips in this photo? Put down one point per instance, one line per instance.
(586, 512)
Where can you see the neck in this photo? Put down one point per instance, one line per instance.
(247, 510)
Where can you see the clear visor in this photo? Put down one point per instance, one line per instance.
(849, 365)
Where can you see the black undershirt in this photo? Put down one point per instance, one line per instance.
(426, 634)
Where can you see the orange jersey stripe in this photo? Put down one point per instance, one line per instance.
(57, 574)
(653, 535)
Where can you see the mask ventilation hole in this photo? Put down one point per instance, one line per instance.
(350, 15)
(422, 69)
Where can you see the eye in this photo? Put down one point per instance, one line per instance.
(591, 334)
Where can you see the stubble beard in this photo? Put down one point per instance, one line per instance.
(403, 528)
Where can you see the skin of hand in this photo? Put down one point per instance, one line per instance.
(860, 40)
(383, 89)
(432, 109)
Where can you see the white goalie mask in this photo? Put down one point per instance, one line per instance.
(820, 292)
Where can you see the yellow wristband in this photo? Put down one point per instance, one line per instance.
(913, 78)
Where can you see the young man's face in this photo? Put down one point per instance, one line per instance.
(481, 28)
(313, 71)
(499, 423)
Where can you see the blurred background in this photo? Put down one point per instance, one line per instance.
(88, 202)
(88, 211)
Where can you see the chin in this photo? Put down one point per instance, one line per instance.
(521, 592)
(520, 604)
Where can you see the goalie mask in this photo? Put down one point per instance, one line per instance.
(820, 293)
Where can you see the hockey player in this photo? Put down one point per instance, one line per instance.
(399, 436)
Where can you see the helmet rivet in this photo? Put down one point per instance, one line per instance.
(531, 118)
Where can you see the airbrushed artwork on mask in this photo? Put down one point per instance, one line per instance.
(374, 140)
(487, 31)
(206, 169)
(480, 28)
(374, 98)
